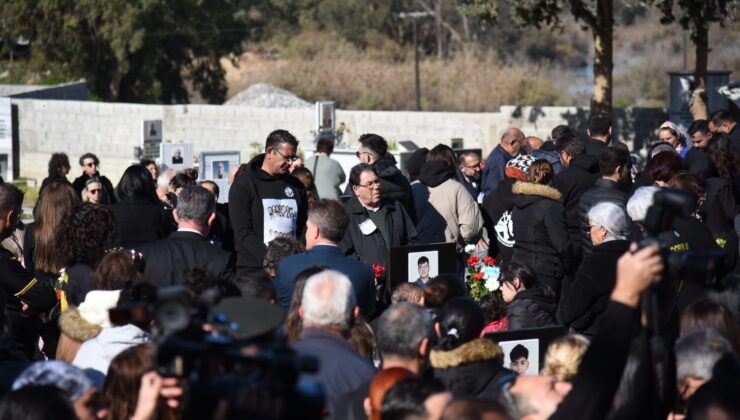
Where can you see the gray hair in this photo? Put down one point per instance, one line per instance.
(195, 204)
(401, 328)
(612, 218)
(331, 218)
(328, 300)
(163, 180)
(698, 352)
(640, 202)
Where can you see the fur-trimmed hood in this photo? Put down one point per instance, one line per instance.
(530, 189)
(76, 327)
(478, 350)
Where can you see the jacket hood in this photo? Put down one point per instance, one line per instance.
(478, 350)
(255, 167)
(586, 162)
(74, 326)
(435, 173)
(536, 190)
(543, 296)
(386, 167)
(114, 340)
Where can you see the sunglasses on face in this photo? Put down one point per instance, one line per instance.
(90, 164)
(288, 158)
(95, 192)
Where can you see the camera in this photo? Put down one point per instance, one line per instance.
(226, 354)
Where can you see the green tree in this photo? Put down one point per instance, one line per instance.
(595, 15)
(141, 50)
(695, 17)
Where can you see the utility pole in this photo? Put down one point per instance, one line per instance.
(414, 16)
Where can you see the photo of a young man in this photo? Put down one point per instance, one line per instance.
(519, 359)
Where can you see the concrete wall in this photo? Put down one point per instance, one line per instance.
(113, 130)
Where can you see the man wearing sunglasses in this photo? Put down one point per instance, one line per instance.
(266, 202)
(89, 164)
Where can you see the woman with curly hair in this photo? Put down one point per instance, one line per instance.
(87, 231)
(726, 161)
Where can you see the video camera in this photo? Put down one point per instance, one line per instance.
(224, 375)
(659, 224)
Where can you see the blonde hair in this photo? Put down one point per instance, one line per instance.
(563, 357)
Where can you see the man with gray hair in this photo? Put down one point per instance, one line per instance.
(697, 354)
(328, 311)
(168, 259)
(402, 335)
(325, 228)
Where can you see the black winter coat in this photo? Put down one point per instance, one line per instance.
(371, 249)
(532, 308)
(582, 307)
(138, 221)
(470, 370)
(576, 179)
(605, 190)
(254, 194)
(495, 205)
(595, 148)
(540, 231)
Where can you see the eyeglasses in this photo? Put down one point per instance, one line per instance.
(90, 164)
(288, 158)
(95, 192)
(370, 185)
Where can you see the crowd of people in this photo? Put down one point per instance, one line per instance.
(152, 299)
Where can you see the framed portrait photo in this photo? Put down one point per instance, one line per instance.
(177, 156)
(420, 263)
(215, 166)
(524, 350)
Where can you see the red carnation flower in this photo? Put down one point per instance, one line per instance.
(472, 260)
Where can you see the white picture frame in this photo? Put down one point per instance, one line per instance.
(215, 167)
(177, 156)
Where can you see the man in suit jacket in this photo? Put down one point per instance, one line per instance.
(327, 222)
(168, 259)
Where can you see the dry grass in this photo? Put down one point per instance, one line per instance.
(468, 82)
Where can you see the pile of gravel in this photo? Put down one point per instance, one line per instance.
(265, 95)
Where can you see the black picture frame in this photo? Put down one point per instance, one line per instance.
(398, 260)
(544, 337)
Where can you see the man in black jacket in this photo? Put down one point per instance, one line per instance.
(168, 259)
(89, 164)
(375, 225)
(580, 174)
(266, 202)
(613, 167)
(393, 185)
(592, 392)
(25, 297)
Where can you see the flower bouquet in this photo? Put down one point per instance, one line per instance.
(482, 278)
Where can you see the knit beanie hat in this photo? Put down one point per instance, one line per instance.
(517, 167)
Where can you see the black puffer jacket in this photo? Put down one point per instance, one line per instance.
(541, 236)
(532, 308)
(583, 306)
(470, 370)
(605, 190)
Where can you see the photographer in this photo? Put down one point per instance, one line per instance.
(593, 389)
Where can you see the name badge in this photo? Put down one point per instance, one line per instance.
(368, 227)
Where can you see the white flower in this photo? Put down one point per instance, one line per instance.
(492, 284)
(469, 249)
